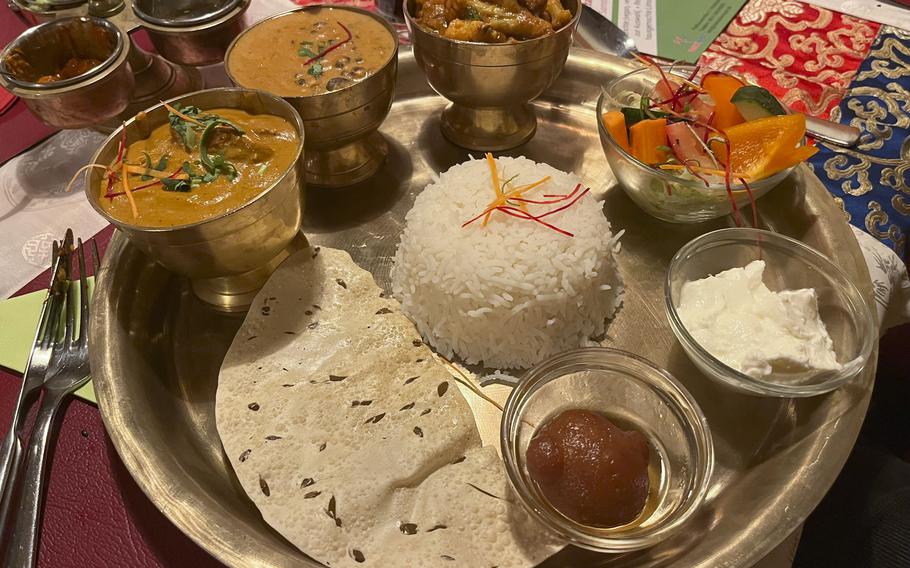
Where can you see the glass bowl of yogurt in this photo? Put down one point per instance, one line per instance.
(766, 314)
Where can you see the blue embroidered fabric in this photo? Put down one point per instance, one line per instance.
(871, 182)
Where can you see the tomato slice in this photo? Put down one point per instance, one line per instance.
(686, 146)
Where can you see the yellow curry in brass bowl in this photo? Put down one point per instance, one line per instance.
(492, 21)
(199, 165)
(310, 52)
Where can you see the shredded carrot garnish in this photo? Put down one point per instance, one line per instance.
(181, 115)
(503, 199)
(174, 175)
(494, 175)
(494, 178)
(515, 194)
(121, 148)
(69, 186)
(129, 193)
(142, 170)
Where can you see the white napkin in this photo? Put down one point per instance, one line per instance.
(35, 209)
(889, 281)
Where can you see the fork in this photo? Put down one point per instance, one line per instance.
(67, 370)
(13, 442)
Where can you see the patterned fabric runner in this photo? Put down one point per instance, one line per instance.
(803, 54)
(872, 181)
(854, 71)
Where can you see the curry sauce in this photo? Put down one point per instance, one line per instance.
(310, 52)
(199, 165)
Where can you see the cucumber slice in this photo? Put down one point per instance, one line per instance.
(755, 102)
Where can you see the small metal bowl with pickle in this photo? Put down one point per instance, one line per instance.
(491, 61)
(71, 72)
(336, 65)
(606, 449)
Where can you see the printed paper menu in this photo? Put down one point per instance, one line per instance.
(670, 28)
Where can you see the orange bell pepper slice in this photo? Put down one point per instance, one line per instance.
(722, 87)
(646, 136)
(615, 123)
(761, 148)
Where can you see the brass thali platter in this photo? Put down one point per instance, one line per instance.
(156, 350)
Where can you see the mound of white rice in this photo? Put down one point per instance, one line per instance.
(514, 292)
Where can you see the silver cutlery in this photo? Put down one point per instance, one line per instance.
(38, 358)
(600, 34)
(67, 370)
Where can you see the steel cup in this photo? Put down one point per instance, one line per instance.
(490, 84)
(229, 257)
(343, 146)
(189, 32)
(85, 100)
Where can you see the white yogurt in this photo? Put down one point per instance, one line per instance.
(736, 318)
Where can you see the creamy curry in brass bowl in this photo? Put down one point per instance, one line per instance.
(199, 165)
(492, 21)
(310, 52)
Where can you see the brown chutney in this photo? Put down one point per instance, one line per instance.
(310, 52)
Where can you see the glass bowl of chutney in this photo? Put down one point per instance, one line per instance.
(633, 395)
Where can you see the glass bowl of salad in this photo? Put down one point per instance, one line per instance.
(688, 146)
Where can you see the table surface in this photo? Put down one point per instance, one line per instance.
(95, 515)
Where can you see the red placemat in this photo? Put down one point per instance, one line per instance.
(804, 54)
(94, 514)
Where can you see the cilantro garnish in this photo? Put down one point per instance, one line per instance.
(315, 70)
(191, 126)
(305, 51)
(159, 167)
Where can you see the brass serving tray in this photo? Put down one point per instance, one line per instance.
(156, 350)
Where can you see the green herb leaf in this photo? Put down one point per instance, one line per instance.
(305, 50)
(159, 167)
(216, 164)
(171, 184)
(665, 148)
(315, 70)
(471, 14)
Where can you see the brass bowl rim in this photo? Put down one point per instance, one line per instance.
(412, 24)
(8, 80)
(52, 9)
(237, 11)
(393, 56)
(756, 185)
(91, 195)
(228, 7)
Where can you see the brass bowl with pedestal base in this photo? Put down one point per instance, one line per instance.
(229, 257)
(94, 96)
(490, 84)
(343, 145)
